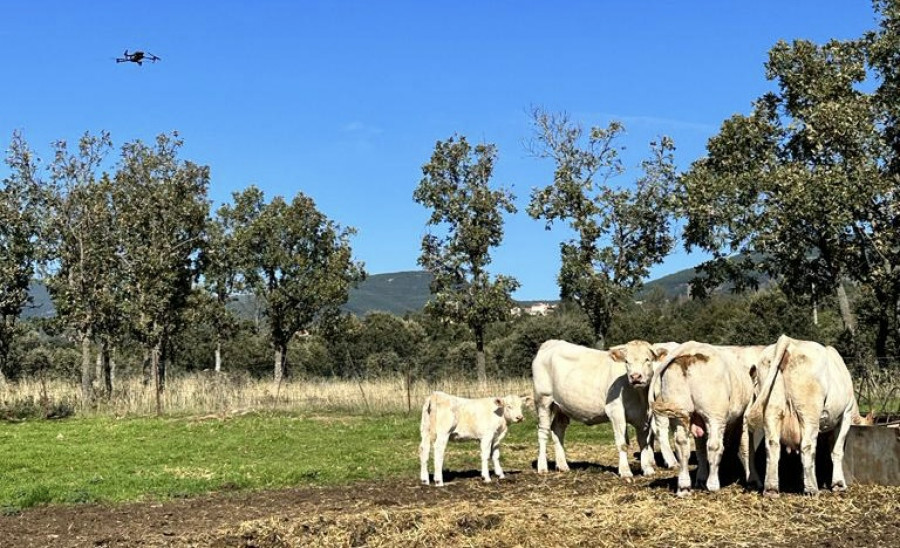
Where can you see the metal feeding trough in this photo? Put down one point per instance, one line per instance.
(872, 453)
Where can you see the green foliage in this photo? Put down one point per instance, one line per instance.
(455, 186)
(620, 232)
(161, 213)
(807, 182)
(294, 259)
(513, 353)
(21, 216)
(29, 408)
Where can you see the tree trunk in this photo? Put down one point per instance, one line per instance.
(106, 370)
(147, 367)
(280, 362)
(164, 358)
(218, 356)
(98, 372)
(112, 368)
(480, 367)
(154, 366)
(600, 335)
(881, 336)
(846, 313)
(86, 370)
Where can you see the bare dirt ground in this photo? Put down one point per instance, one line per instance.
(590, 506)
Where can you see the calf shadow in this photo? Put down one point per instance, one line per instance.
(580, 466)
(453, 475)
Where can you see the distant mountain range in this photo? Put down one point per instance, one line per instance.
(394, 292)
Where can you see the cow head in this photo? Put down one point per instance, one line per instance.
(511, 407)
(639, 358)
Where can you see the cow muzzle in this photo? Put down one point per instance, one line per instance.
(636, 379)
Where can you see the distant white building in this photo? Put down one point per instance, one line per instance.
(537, 309)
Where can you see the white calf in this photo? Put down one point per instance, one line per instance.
(446, 417)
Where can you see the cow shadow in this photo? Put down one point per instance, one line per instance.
(790, 469)
(582, 466)
(790, 466)
(730, 471)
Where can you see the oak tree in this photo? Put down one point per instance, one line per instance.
(468, 218)
(619, 231)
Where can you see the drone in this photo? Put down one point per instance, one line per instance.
(137, 57)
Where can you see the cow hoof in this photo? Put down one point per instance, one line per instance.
(487, 480)
(771, 494)
(649, 472)
(811, 493)
(684, 492)
(424, 482)
(839, 487)
(438, 484)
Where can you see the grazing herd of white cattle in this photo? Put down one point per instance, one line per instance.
(784, 394)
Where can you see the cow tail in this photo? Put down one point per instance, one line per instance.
(755, 412)
(672, 411)
(427, 426)
(655, 388)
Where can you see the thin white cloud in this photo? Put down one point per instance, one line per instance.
(651, 121)
(360, 128)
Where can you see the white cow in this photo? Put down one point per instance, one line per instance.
(590, 386)
(659, 423)
(707, 389)
(803, 388)
(446, 417)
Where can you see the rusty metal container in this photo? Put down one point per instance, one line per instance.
(872, 455)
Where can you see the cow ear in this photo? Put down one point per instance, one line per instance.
(617, 354)
(660, 354)
(498, 402)
(526, 399)
(753, 371)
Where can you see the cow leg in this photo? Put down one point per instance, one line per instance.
(661, 433)
(542, 408)
(495, 455)
(715, 446)
(702, 460)
(683, 450)
(558, 432)
(487, 445)
(424, 449)
(838, 483)
(645, 442)
(773, 426)
(808, 456)
(747, 453)
(440, 445)
(616, 413)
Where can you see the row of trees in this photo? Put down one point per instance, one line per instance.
(802, 190)
(130, 257)
(419, 346)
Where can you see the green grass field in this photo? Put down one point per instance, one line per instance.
(106, 460)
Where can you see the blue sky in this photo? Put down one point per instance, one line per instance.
(344, 101)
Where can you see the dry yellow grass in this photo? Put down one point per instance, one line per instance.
(209, 393)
